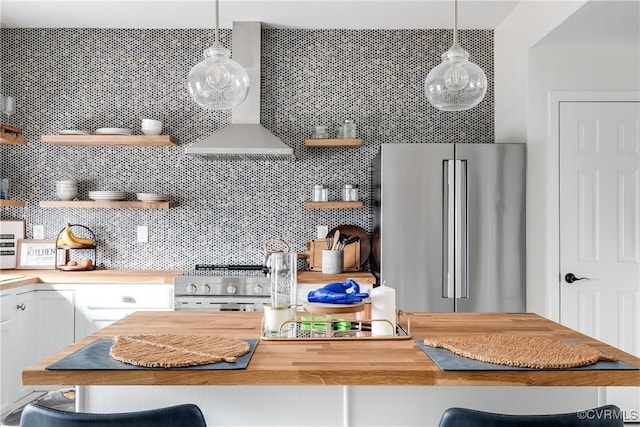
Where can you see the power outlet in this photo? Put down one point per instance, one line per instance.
(38, 232)
(322, 231)
(142, 234)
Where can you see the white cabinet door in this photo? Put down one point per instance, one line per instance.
(8, 356)
(56, 314)
(98, 306)
(24, 339)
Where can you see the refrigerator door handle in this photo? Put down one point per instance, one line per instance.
(460, 233)
(448, 240)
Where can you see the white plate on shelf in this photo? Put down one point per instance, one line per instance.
(151, 197)
(113, 131)
(107, 192)
(107, 198)
(107, 195)
(73, 132)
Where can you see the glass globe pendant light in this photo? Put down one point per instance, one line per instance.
(456, 84)
(218, 82)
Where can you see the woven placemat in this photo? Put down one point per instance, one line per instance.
(174, 351)
(521, 351)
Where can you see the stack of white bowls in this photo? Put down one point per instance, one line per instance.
(151, 127)
(67, 189)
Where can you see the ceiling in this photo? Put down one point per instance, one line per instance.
(598, 22)
(350, 14)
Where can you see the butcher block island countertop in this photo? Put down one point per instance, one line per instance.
(353, 362)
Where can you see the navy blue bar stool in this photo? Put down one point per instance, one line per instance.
(604, 416)
(186, 415)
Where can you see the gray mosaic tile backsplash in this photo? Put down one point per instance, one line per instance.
(92, 78)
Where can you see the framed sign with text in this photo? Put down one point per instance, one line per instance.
(11, 230)
(36, 254)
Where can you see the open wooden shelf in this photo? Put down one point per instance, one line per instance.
(106, 204)
(12, 203)
(111, 140)
(9, 138)
(328, 143)
(333, 204)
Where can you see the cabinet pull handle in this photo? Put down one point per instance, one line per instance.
(128, 299)
(21, 307)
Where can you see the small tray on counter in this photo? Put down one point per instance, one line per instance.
(304, 329)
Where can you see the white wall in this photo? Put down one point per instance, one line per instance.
(524, 77)
(527, 24)
(602, 68)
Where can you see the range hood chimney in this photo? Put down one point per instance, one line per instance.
(245, 137)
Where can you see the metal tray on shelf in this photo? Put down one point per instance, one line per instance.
(341, 329)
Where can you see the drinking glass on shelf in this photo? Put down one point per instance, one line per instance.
(4, 188)
(8, 105)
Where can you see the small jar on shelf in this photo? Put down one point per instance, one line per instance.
(320, 193)
(350, 193)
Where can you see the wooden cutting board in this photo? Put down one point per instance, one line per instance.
(352, 231)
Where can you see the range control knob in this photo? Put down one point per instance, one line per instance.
(205, 289)
(191, 288)
(231, 289)
(257, 289)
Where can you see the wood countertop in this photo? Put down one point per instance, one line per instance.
(16, 278)
(370, 362)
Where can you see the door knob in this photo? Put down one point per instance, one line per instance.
(570, 278)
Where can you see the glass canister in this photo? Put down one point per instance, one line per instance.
(319, 132)
(349, 128)
(284, 279)
(320, 193)
(349, 193)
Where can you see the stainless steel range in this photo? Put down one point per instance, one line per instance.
(222, 288)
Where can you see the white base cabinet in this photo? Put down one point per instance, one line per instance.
(39, 320)
(98, 306)
(26, 339)
(55, 322)
(8, 368)
(33, 324)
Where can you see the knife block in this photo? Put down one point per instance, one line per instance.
(314, 255)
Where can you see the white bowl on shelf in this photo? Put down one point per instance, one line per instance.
(66, 189)
(66, 193)
(152, 128)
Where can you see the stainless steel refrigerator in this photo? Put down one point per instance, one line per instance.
(449, 225)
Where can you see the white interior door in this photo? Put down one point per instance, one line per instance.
(599, 226)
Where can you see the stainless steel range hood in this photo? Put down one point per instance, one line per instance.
(245, 137)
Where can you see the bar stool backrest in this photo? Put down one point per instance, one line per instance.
(186, 415)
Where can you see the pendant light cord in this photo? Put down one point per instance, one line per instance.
(455, 24)
(217, 39)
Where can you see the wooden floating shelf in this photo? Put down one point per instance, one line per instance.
(111, 140)
(11, 139)
(106, 204)
(328, 143)
(333, 204)
(12, 203)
